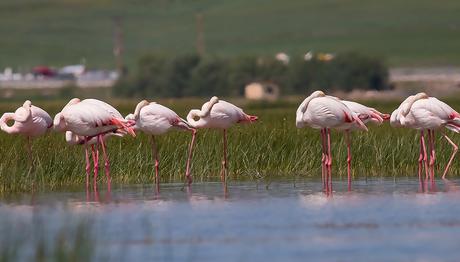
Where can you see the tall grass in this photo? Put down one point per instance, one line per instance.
(273, 147)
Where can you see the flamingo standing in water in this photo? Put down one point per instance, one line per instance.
(219, 114)
(92, 118)
(29, 120)
(366, 115)
(429, 113)
(155, 119)
(325, 112)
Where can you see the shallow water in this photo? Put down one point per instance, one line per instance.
(379, 220)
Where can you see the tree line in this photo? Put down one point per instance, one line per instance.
(185, 75)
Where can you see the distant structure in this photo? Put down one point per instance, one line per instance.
(283, 58)
(48, 77)
(262, 91)
(200, 46)
(325, 57)
(308, 56)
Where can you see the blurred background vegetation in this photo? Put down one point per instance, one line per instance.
(407, 33)
(176, 48)
(192, 75)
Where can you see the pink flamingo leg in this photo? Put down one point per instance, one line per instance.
(420, 159)
(347, 138)
(157, 162)
(106, 158)
(223, 174)
(329, 158)
(95, 155)
(424, 155)
(323, 158)
(432, 153)
(455, 147)
(88, 165)
(189, 158)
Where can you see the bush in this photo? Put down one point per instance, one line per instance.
(191, 75)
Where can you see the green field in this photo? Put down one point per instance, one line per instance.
(269, 149)
(59, 32)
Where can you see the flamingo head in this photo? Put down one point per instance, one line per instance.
(318, 93)
(214, 100)
(27, 104)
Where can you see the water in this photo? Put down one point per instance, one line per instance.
(380, 220)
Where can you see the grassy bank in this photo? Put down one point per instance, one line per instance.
(268, 149)
(61, 32)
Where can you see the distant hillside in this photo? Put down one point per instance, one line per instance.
(57, 32)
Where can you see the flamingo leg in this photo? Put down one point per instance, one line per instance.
(95, 155)
(106, 158)
(323, 158)
(455, 147)
(223, 173)
(88, 165)
(424, 154)
(189, 158)
(432, 153)
(329, 158)
(155, 159)
(347, 138)
(420, 159)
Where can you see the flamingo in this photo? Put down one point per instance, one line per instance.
(429, 114)
(219, 114)
(155, 119)
(29, 120)
(325, 112)
(366, 115)
(92, 118)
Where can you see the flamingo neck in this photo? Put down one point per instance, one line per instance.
(195, 113)
(303, 106)
(406, 107)
(4, 123)
(206, 110)
(139, 106)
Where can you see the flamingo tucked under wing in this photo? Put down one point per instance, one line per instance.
(429, 114)
(92, 118)
(155, 119)
(219, 114)
(29, 120)
(326, 112)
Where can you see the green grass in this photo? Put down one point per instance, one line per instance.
(269, 149)
(58, 32)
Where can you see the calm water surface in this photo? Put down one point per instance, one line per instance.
(380, 220)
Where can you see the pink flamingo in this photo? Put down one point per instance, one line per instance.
(219, 114)
(366, 115)
(422, 112)
(325, 112)
(92, 118)
(29, 120)
(155, 119)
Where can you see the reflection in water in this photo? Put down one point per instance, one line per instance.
(382, 219)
